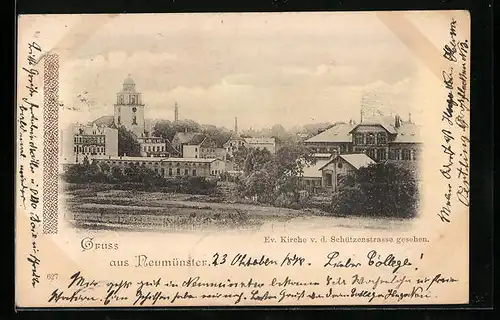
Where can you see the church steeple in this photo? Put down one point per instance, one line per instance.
(129, 110)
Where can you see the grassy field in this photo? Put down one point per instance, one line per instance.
(100, 207)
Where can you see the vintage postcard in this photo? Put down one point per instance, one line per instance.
(242, 159)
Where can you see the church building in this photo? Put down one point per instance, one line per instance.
(129, 112)
(129, 109)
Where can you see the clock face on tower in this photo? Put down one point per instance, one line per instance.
(134, 109)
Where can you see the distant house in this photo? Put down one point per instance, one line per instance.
(261, 143)
(381, 138)
(152, 146)
(236, 142)
(182, 138)
(233, 144)
(341, 165)
(387, 138)
(201, 146)
(78, 141)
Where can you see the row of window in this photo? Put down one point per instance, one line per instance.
(370, 138)
(153, 148)
(132, 99)
(206, 150)
(403, 154)
(394, 154)
(185, 172)
(91, 153)
(151, 140)
(89, 149)
(170, 164)
(343, 148)
(177, 172)
(89, 139)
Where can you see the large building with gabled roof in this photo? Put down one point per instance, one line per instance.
(381, 138)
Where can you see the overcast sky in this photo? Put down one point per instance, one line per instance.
(264, 68)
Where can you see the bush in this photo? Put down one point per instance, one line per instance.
(351, 200)
(379, 190)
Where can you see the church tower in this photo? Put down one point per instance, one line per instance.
(129, 110)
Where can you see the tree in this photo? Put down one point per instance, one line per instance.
(258, 183)
(291, 159)
(240, 155)
(127, 143)
(288, 166)
(380, 189)
(276, 177)
(164, 129)
(256, 160)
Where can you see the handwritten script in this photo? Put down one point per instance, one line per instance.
(29, 153)
(455, 124)
(81, 290)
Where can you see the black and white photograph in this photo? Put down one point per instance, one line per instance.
(231, 125)
(243, 159)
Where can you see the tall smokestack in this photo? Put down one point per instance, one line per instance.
(361, 115)
(409, 117)
(176, 112)
(236, 125)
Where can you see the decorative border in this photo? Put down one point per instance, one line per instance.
(51, 143)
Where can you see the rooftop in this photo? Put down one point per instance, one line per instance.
(337, 133)
(184, 137)
(357, 160)
(129, 80)
(386, 122)
(104, 121)
(408, 133)
(197, 139)
(314, 170)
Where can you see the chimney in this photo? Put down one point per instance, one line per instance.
(397, 121)
(361, 115)
(409, 117)
(176, 112)
(236, 125)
